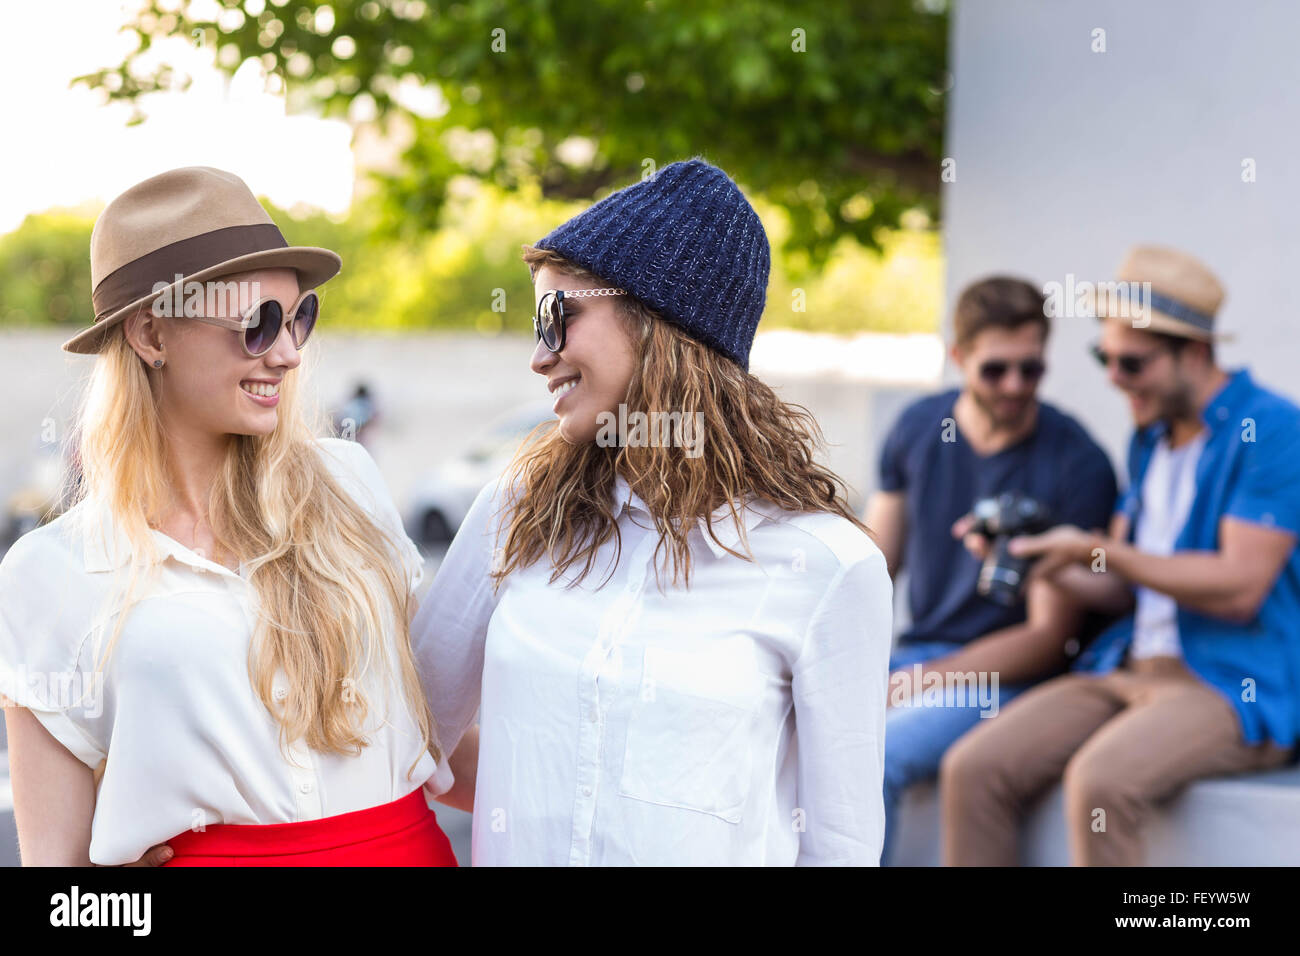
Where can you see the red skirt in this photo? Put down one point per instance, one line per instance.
(402, 833)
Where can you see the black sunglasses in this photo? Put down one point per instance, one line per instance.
(1031, 370)
(261, 322)
(548, 323)
(1129, 363)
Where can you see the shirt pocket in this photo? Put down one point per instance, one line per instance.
(690, 733)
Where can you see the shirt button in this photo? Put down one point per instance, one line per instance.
(306, 786)
(592, 715)
(586, 791)
(280, 693)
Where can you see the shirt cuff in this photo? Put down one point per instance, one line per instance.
(442, 779)
(1265, 515)
(63, 729)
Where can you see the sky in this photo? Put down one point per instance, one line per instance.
(65, 148)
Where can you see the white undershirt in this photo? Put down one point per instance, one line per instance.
(1168, 489)
(740, 722)
(185, 737)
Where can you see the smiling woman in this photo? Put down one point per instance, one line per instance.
(228, 583)
(678, 648)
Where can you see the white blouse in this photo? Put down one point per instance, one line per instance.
(186, 738)
(740, 722)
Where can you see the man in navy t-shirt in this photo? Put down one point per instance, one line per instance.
(966, 654)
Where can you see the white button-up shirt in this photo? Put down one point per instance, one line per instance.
(186, 740)
(740, 722)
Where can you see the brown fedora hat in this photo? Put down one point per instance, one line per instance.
(197, 223)
(1184, 295)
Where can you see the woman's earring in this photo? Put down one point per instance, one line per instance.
(158, 363)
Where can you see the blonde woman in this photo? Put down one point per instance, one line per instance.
(675, 628)
(210, 649)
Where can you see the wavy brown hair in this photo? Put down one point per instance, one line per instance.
(326, 575)
(559, 495)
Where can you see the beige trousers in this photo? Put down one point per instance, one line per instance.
(1118, 742)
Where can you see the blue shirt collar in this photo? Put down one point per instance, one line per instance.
(1226, 406)
(1229, 401)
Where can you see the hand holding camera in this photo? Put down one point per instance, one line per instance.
(1013, 537)
(998, 520)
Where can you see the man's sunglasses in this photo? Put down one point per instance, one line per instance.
(1129, 363)
(993, 371)
(548, 323)
(261, 322)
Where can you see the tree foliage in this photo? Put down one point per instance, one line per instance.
(468, 274)
(45, 269)
(831, 111)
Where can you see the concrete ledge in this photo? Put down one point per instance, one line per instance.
(1244, 820)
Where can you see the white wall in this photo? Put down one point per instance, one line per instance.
(1066, 157)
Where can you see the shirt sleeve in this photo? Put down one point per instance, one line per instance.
(368, 486)
(1089, 493)
(1266, 490)
(892, 475)
(839, 682)
(450, 628)
(41, 638)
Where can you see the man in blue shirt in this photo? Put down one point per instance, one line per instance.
(1200, 677)
(966, 654)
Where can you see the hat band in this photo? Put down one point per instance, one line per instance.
(184, 257)
(1170, 307)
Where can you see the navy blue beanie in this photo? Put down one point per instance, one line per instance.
(685, 242)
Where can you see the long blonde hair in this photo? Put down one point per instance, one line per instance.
(558, 495)
(303, 539)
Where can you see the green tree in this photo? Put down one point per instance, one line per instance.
(467, 274)
(45, 269)
(832, 112)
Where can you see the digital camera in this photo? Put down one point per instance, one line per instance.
(1000, 519)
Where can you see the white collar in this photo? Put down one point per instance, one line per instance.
(751, 513)
(107, 548)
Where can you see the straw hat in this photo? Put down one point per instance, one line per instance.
(197, 223)
(1184, 295)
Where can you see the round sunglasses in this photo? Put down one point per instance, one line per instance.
(549, 322)
(993, 371)
(260, 323)
(1129, 363)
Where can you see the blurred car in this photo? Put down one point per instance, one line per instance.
(442, 500)
(41, 497)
